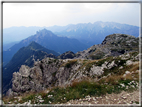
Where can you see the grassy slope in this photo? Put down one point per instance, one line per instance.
(114, 83)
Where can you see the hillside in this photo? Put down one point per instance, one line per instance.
(25, 56)
(49, 40)
(60, 81)
(14, 33)
(112, 45)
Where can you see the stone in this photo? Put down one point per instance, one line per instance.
(121, 67)
(112, 64)
(129, 62)
(127, 72)
(24, 88)
(24, 71)
(9, 93)
(96, 70)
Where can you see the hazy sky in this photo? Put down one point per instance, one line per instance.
(50, 14)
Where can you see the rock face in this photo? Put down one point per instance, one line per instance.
(25, 56)
(113, 45)
(50, 72)
(67, 55)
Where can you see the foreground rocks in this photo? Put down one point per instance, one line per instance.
(51, 72)
(127, 98)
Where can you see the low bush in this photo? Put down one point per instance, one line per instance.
(70, 63)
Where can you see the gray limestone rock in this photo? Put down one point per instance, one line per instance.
(96, 70)
(24, 71)
(50, 72)
(9, 93)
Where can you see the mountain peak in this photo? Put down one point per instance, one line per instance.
(44, 32)
(117, 38)
(34, 45)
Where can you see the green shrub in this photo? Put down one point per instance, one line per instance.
(70, 63)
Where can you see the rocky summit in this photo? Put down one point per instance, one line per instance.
(113, 45)
(67, 55)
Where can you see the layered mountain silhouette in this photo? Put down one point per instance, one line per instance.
(89, 33)
(49, 40)
(25, 56)
(112, 45)
(94, 33)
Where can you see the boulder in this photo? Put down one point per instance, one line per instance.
(24, 71)
(9, 93)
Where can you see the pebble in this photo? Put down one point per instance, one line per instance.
(121, 98)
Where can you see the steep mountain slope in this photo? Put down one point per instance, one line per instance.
(113, 45)
(95, 33)
(76, 78)
(67, 55)
(49, 40)
(13, 34)
(27, 56)
(8, 45)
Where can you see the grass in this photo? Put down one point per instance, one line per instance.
(80, 89)
(114, 83)
(69, 63)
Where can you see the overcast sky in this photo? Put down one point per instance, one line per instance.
(50, 14)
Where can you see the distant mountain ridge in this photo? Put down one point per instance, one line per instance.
(25, 56)
(49, 40)
(13, 34)
(81, 31)
(95, 33)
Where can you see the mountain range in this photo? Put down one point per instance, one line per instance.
(25, 56)
(95, 33)
(113, 56)
(14, 34)
(49, 40)
(112, 45)
(69, 41)
(88, 33)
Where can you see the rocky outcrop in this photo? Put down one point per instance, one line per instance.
(67, 55)
(50, 72)
(113, 45)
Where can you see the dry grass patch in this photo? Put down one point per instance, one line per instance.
(135, 67)
(114, 79)
(69, 63)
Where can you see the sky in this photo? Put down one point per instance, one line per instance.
(61, 14)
